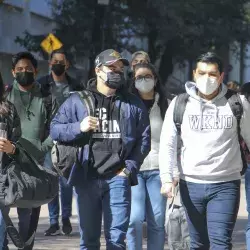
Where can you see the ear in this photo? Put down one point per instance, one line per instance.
(13, 73)
(97, 70)
(35, 72)
(194, 74)
(222, 77)
(67, 65)
(155, 81)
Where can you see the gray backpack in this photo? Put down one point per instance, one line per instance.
(65, 155)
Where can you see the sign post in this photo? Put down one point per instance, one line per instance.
(50, 43)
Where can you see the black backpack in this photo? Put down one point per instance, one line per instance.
(25, 183)
(236, 106)
(65, 155)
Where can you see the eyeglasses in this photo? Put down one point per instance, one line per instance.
(146, 77)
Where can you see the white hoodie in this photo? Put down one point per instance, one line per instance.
(210, 151)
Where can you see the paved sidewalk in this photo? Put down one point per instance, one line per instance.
(72, 242)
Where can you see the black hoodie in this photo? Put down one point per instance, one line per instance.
(106, 144)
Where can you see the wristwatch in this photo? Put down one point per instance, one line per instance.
(126, 172)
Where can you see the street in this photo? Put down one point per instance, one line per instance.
(72, 242)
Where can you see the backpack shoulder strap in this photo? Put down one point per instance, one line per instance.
(87, 100)
(47, 101)
(179, 109)
(236, 106)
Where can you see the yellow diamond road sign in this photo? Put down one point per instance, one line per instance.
(51, 43)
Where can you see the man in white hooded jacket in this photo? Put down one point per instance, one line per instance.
(211, 161)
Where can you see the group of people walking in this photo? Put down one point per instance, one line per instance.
(137, 151)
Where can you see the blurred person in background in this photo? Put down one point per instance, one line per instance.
(139, 57)
(59, 84)
(234, 85)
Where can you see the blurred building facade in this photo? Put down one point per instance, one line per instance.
(16, 16)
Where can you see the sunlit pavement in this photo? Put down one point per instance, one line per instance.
(72, 242)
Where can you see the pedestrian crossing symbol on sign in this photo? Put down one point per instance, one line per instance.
(51, 43)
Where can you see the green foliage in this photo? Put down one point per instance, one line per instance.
(176, 29)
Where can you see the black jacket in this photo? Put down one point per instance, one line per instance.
(12, 120)
(47, 82)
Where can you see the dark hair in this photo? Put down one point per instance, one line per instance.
(59, 51)
(4, 107)
(211, 58)
(245, 90)
(163, 102)
(23, 55)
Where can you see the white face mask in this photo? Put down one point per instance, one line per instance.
(207, 85)
(144, 86)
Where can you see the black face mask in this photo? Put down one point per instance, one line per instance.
(115, 80)
(58, 69)
(25, 78)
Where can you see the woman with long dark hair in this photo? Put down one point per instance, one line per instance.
(147, 201)
(10, 122)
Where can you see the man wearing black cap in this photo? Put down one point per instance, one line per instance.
(116, 140)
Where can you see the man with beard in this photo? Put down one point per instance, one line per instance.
(115, 139)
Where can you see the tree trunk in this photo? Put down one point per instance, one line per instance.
(96, 37)
(166, 64)
(152, 35)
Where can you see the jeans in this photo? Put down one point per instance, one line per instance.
(247, 186)
(66, 192)
(211, 211)
(148, 202)
(110, 197)
(177, 228)
(23, 226)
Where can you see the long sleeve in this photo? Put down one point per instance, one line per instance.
(143, 142)
(47, 144)
(16, 131)
(168, 147)
(65, 126)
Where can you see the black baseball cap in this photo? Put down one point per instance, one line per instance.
(108, 57)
